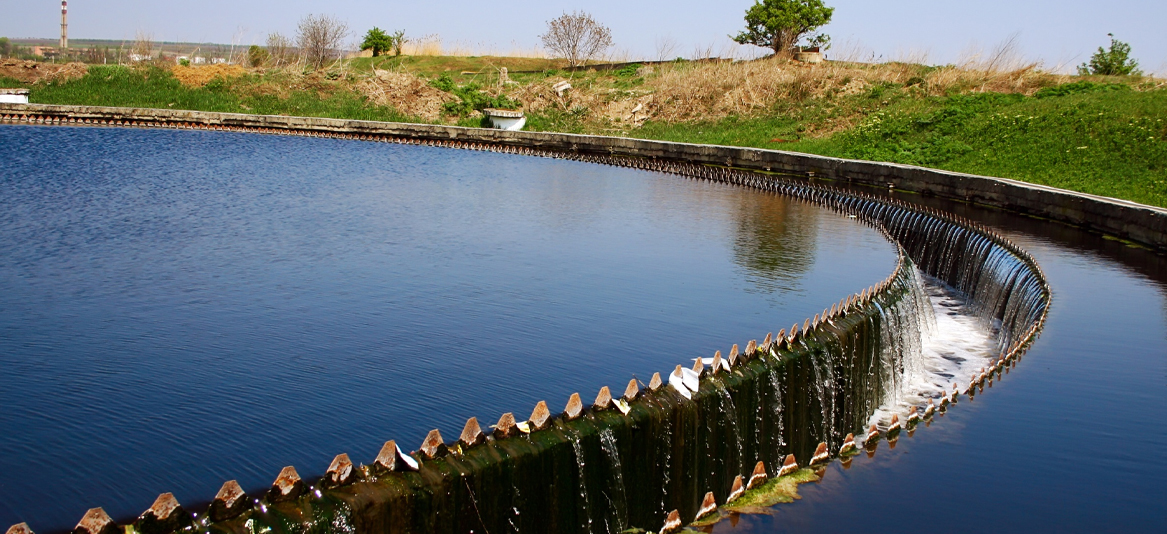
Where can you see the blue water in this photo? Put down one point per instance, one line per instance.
(182, 308)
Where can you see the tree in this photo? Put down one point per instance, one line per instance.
(577, 37)
(5, 47)
(378, 41)
(319, 38)
(779, 24)
(1114, 62)
(280, 49)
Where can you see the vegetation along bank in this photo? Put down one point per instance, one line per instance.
(1104, 135)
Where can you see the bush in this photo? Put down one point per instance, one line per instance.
(470, 97)
(628, 71)
(257, 56)
(1113, 62)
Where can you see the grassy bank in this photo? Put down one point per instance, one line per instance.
(1105, 136)
(1102, 139)
(267, 94)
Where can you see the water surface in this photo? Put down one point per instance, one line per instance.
(182, 308)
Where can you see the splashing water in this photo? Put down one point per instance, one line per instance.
(954, 344)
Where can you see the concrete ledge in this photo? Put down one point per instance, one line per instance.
(1142, 224)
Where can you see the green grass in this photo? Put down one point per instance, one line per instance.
(1094, 137)
(157, 88)
(1103, 141)
(479, 69)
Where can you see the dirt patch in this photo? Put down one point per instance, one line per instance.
(405, 92)
(33, 72)
(202, 75)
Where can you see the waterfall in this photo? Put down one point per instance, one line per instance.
(630, 465)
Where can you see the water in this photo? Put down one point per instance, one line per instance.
(1069, 440)
(182, 308)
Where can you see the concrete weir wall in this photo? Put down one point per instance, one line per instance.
(1145, 225)
(664, 453)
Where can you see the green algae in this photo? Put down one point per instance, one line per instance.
(775, 491)
(761, 499)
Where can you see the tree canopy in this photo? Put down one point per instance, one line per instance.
(779, 24)
(1114, 62)
(377, 40)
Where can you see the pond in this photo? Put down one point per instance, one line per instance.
(182, 308)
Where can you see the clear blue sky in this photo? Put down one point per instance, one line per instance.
(1061, 32)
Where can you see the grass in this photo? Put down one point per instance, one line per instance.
(1104, 136)
(158, 88)
(1100, 141)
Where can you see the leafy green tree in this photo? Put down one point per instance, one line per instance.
(778, 24)
(5, 47)
(378, 41)
(1114, 62)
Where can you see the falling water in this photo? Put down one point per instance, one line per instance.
(960, 297)
(617, 500)
(584, 503)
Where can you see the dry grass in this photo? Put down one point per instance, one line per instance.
(203, 74)
(715, 90)
(407, 93)
(35, 72)
(434, 45)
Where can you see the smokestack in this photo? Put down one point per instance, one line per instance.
(64, 24)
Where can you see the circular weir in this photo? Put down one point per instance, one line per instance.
(185, 308)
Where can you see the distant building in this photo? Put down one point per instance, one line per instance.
(46, 52)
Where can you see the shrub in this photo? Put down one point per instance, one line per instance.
(378, 41)
(1113, 62)
(470, 97)
(256, 56)
(628, 71)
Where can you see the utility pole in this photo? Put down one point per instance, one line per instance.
(64, 24)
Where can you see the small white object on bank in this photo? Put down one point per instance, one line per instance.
(505, 119)
(14, 96)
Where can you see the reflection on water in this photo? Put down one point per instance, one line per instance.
(213, 306)
(775, 240)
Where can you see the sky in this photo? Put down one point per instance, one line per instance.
(1060, 34)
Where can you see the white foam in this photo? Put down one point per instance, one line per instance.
(953, 349)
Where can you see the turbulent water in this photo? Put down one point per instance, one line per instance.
(954, 346)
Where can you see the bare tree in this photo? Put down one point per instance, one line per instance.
(320, 38)
(143, 48)
(577, 37)
(665, 47)
(280, 49)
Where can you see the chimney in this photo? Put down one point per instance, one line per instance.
(64, 24)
